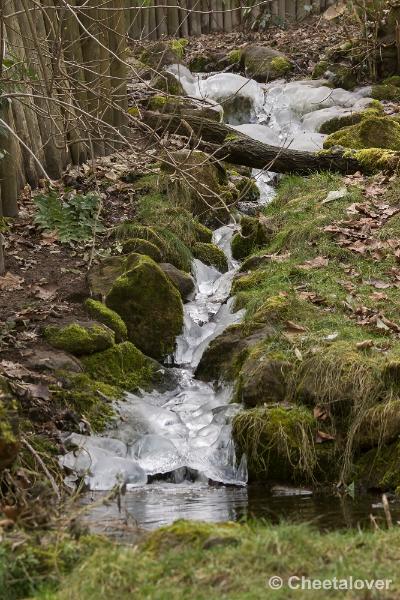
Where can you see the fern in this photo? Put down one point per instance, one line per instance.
(74, 219)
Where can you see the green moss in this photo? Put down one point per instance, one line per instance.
(320, 69)
(157, 102)
(9, 425)
(100, 312)
(385, 92)
(179, 46)
(281, 65)
(80, 339)
(394, 80)
(371, 132)
(123, 366)
(150, 306)
(252, 237)
(202, 233)
(379, 468)
(88, 398)
(168, 83)
(375, 159)
(235, 56)
(232, 137)
(199, 63)
(210, 255)
(142, 246)
(278, 442)
(248, 189)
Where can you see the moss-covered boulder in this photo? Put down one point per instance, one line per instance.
(141, 246)
(248, 190)
(372, 132)
(150, 305)
(123, 366)
(265, 64)
(386, 91)
(340, 75)
(262, 378)
(202, 233)
(163, 53)
(80, 338)
(211, 255)
(199, 186)
(379, 468)
(101, 313)
(254, 234)
(351, 118)
(278, 442)
(9, 429)
(183, 282)
(167, 82)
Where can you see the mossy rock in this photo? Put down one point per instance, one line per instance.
(248, 190)
(199, 186)
(375, 109)
(102, 275)
(87, 398)
(265, 64)
(211, 255)
(393, 80)
(9, 426)
(123, 366)
(183, 282)
(386, 92)
(168, 83)
(141, 246)
(186, 107)
(80, 338)
(278, 442)
(338, 74)
(150, 305)
(202, 233)
(101, 313)
(371, 132)
(379, 468)
(253, 236)
(162, 53)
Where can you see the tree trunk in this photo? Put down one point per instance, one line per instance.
(226, 143)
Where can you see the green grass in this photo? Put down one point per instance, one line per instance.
(232, 561)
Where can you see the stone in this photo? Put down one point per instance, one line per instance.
(265, 64)
(142, 246)
(46, 359)
(262, 379)
(183, 282)
(149, 304)
(101, 313)
(80, 337)
(210, 255)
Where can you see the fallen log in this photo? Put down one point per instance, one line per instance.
(226, 143)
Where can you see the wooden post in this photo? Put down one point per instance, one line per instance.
(161, 16)
(184, 18)
(228, 16)
(153, 31)
(173, 14)
(194, 17)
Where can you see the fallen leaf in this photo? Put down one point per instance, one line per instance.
(378, 296)
(321, 413)
(46, 291)
(298, 354)
(291, 326)
(11, 282)
(13, 370)
(315, 263)
(378, 284)
(335, 195)
(322, 437)
(364, 345)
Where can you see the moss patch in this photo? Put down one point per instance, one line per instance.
(79, 339)
(141, 246)
(123, 366)
(99, 311)
(211, 255)
(371, 132)
(150, 306)
(386, 92)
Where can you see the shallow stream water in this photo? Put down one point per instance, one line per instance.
(172, 451)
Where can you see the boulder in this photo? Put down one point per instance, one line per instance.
(372, 132)
(123, 366)
(169, 83)
(163, 53)
(340, 75)
(211, 255)
(183, 282)
(255, 233)
(80, 337)
(262, 379)
(149, 304)
(265, 64)
(201, 186)
(186, 107)
(9, 434)
(101, 313)
(49, 359)
(142, 246)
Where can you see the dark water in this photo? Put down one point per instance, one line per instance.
(163, 503)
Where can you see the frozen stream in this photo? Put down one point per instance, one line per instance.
(168, 446)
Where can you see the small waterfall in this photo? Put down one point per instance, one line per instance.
(183, 434)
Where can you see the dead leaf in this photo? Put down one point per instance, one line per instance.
(11, 282)
(295, 327)
(315, 263)
(298, 354)
(364, 345)
(320, 413)
(46, 291)
(378, 296)
(378, 284)
(13, 370)
(322, 437)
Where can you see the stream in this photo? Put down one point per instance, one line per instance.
(172, 451)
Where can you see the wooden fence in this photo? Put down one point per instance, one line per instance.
(153, 19)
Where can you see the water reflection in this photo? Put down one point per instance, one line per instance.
(162, 503)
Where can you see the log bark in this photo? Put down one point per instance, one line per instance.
(240, 149)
